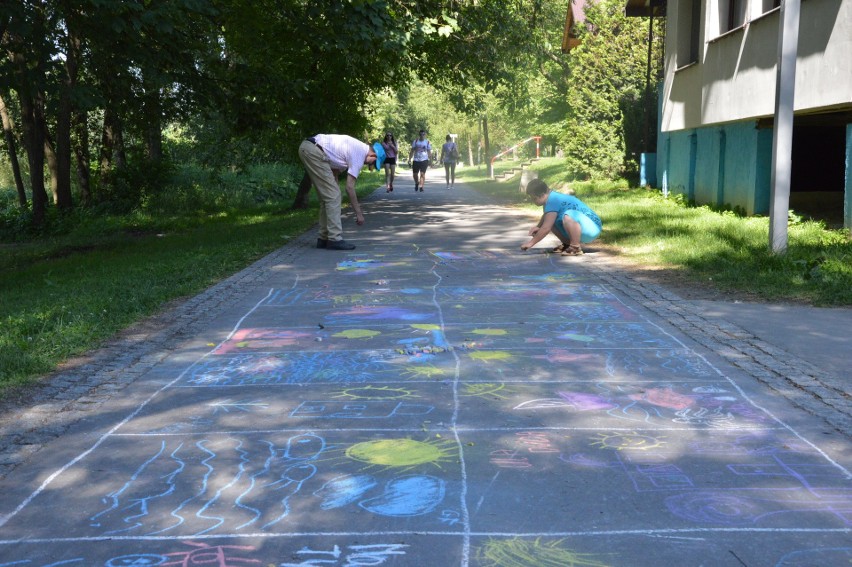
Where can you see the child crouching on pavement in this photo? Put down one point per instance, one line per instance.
(566, 216)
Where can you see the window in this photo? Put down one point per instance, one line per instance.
(732, 14)
(769, 5)
(688, 32)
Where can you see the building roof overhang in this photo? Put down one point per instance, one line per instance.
(645, 8)
(575, 14)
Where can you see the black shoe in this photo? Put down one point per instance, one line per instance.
(339, 245)
(322, 243)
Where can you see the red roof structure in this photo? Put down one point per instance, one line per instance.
(574, 16)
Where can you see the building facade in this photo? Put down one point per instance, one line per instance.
(717, 103)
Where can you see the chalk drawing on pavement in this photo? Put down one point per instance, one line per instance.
(260, 483)
(409, 495)
(262, 339)
(497, 390)
(661, 404)
(375, 393)
(765, 507)
(364, 409)
(628, 441)
(512, 552)
(235, 484)
(819, 556)
(356, 334)
(403, 453)
(228, 405)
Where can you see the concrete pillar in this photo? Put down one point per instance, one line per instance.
(782, 141)
(847, 199)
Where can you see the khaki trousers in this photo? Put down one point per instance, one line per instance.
(319, 170)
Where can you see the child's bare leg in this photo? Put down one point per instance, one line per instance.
(574, 231)
(564, 242)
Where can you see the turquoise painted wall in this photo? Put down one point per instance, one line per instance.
(723, 166)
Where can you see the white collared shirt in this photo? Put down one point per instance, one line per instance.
(344, 152)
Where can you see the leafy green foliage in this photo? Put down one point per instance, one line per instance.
(607, 92)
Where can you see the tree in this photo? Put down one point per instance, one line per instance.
(607, 91)
(11, 146)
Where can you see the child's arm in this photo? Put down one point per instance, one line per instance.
(545, 225)
(535, 228)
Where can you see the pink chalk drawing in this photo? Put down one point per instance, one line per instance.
(260, 339)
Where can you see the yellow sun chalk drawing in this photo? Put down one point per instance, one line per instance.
(375, 393)
(356, 334)
(490, 355)
(490, 332)
(627, 441)
(516, 551)
(401, 453)
(484, 389)
(416, 371)
(426, 327)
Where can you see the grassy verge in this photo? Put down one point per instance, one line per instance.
(66, 294)
(711, 247)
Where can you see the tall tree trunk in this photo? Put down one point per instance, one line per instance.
(301, 200)
(153, 125)
(52, 164)
(486, 143)
(64, 199)
(62, 184)
(112, 147)
(32, 101)
(33, 124)
(81, 151)
(154, 142)
(9, 134)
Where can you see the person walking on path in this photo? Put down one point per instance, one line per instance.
(325, 156)
(421, 149)
(566, 216)
(391, 149)
(449, 156)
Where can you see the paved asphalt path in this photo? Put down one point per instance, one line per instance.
(433, 398)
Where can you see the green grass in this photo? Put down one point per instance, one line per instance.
(66, 294)
(708, 247)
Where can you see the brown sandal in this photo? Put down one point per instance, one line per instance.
(560, 248)
(572, 250)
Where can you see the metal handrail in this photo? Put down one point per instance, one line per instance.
(513, 148)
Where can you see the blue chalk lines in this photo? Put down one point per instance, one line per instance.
(253, 485)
